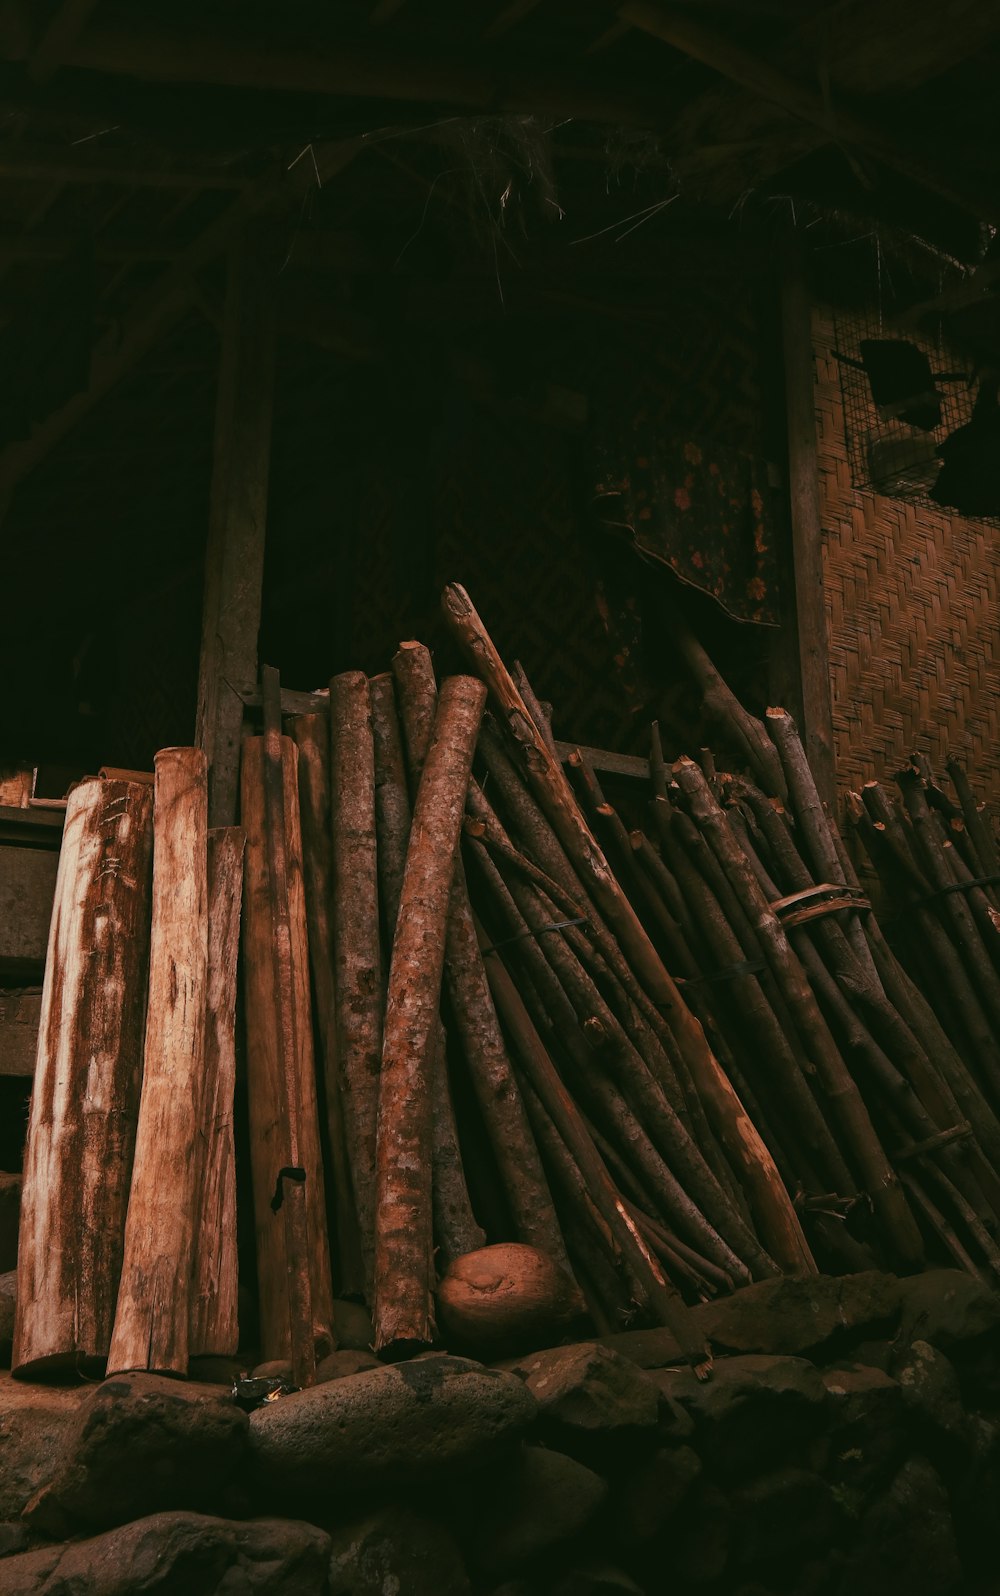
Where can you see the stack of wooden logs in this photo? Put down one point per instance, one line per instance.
(656, 1055)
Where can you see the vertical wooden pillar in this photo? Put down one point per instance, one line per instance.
(234, 557)
(807, 527)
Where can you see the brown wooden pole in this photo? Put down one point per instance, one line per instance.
(270, 1145)
(312, 738)
(356, 939)
(152, 1319)
(214, 1308)
(85, 1102)
(403, 1306)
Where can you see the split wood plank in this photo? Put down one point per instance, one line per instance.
(152, 1320)
(214, 1305)
(269, 1133)
(20, 1011)
(85, 1102)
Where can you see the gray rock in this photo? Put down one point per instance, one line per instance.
(790, 1316)
(174, 1553)
(352, 1326)
(10, 1216)
(273, 1369)
(907, 1540)
(592, 1403)
(388, 1425)
(647, 1499)
(751, 1411)
(141, 1444)
(394, 1550)
(342, 1364)
(781, 1517)
(597, 1579)
(868, 1434)
(543, 1500)
(947, 1307)
(698, 1545)
(932, 1397)
(35, 1424)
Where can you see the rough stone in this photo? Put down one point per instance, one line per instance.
(788, 1315)
(907, 1540)
(10, 1216)
(273, 1369)
(781, 1517)
(388, 1425)
(698, 1544)
(752, 1410)
(174, 1553)
(35, 1424)
(947, 1307)
(932, 1397)
(592, 1403)
(352, 1326)
(646, 1500)
(868, 1431)
(542, 1501)
(342, 1364)
(394, 1550)
(597, 1579)
(140, 1444)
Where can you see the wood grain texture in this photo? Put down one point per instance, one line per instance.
(20, 1011)
(270, 1143)
(152, 1319)
(85, 1104)
(214, 1315)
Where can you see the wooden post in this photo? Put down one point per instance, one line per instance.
(234, 557)
(807, 528)
(269, 1131)
(214, 1317)
(86, 1096)
(153, 1315)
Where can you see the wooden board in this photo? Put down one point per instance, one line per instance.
(27, 889)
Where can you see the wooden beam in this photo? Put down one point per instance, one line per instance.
(362, 71)
(837, 123)
(807, 527)
(62, 30)
(78, 164)
(234, 558)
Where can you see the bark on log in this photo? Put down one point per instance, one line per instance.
(270, 1143)
(312, 738)
(85, 1103)
(356, 941)
(152, 1319)
(403, 1269)
(214, 1316)
(456, 1230)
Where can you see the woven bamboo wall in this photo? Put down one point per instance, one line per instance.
(913, 606)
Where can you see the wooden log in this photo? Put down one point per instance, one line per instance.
(356, 940)
(85, 1103)
(270, 1142)
(214, 1316)
(846, 1102)
(312, 738)
(153, 1316)
(455, 1228)
(976, 824)
(403, 1315)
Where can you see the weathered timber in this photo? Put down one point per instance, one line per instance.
(269, 1133)
(20, 1010)
(152, 1320)
(356, 940)
(85, 1104)
(403, 1307)
(312, 738)
(27, 889)
(214, 1316)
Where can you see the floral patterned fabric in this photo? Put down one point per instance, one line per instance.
(705, 510)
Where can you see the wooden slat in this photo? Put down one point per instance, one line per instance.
(27, 888)
(20, 1008)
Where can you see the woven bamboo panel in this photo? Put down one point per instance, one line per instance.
(913, 606)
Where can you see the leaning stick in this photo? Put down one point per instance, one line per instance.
(88, 1071)
(152, 1319)
(356, 942)
(312, 737)
(403, 1239)
(214, 1315)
